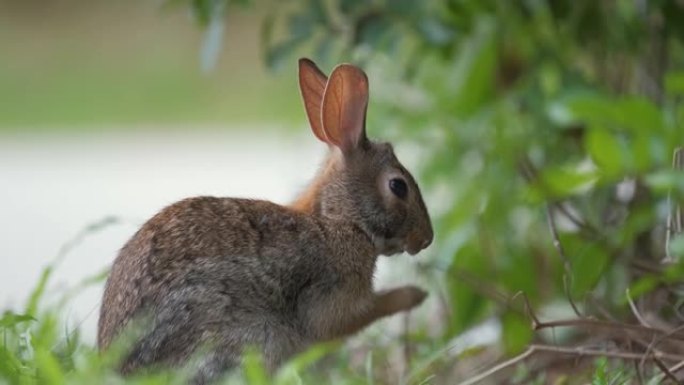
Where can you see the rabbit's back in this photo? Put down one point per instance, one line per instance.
(207, 269)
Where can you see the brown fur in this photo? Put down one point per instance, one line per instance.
(222, 274)
(308, 200)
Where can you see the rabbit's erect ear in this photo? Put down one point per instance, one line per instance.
(312, 84)
(344, 107)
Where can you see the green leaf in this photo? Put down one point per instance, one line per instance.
(253, 368)
(664, 181)
(472, 81)
(38, 291)
(631, 114)
(674, 16)
(517, 332)
(312, 355)
(349, 7)
(10, 366)
(607, 150)
(643, 286)
(10, 319)
(49, 370)
(405, 8)
(205, 10)
(588, 261)
(467, 304)
(372, 31)
(318, 11)
(674, 273)
(600, 373)
(515, 269)
(568, 180)
(674, 83)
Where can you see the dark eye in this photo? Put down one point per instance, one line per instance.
(398, 187)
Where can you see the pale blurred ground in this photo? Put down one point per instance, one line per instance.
(53, 187)
(105, 112)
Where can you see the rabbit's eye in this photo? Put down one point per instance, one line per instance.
(398, 187)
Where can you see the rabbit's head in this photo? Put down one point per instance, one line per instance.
(362, 181)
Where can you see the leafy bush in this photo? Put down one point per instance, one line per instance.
(548, 130)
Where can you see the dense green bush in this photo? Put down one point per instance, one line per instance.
(547, 130)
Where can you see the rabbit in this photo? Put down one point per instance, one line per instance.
(218, 275)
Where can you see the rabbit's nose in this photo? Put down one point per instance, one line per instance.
(428, 236)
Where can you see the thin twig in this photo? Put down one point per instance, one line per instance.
(675, 219)
(595, 323)
(581, 351)
(528, 309)
(570, 216)
(567, 277)
(508, 363)
(639, 375)
(635, 337)
(591, 323)
(665, 370)
(635, 331)
(649, 348)
(676, 368)
(85, 232)
(67, 247)
(635, 311)
(574, 351)
(649, 354)
(478, 285)
(646, 266)
(660, 338)
(530, 174)
(474, 282)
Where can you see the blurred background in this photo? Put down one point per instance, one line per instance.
(107, 115)
(546, 136)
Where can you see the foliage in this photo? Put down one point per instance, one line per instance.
(540, 117)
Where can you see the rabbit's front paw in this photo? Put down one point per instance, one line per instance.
(406, 298)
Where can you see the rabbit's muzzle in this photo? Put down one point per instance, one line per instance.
(418, 240)
(413, 247)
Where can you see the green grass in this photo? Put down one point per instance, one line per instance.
(129, 65)
(85, 97)
(37, 348)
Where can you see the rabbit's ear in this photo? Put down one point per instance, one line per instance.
(312, 84)
(344, 107)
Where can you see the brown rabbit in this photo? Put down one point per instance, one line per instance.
(223, 274)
